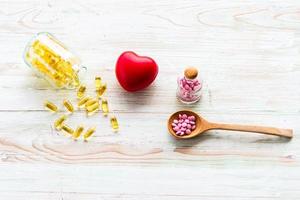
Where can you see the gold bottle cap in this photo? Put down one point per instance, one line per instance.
(191, 72)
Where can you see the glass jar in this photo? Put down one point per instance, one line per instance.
(49, 58)
(189, 88)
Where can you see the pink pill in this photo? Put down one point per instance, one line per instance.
(173, 124)
(193, 127)
(182, 129)
(175, 121)
(184, 124)
(184, 116)
(192, 122)
(180, 116)
(179, 125)
(191, 118)
(187, 121)
(189, 126)
(187, 87)
(178, 132)
(176, 128)
(188, 131)
(182, 133)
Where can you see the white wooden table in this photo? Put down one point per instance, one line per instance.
(246, 51)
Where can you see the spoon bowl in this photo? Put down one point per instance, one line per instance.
(195, 132)
(203, 125)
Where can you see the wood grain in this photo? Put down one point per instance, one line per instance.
(248, 55)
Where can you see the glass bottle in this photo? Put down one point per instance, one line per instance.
(189, 88)
(49, 58)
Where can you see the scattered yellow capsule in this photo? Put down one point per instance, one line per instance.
(114, 123)
(89, 133)
(90, 102)
(82, 101)
(67, 129)
(59, 122)
(92, 108)
(101, 90)
(97, 82)
(78, 132)
(76, 80)
(51, 106)
(104, 106)
(81, 90)
(68, 105)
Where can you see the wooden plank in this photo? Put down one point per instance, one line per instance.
(252, 182)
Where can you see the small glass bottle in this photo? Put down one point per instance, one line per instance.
(189, 86)
(53, 61)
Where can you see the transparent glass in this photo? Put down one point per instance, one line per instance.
(189, 90)
(49, 58)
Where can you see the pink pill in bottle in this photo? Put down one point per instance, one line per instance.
(189, 88)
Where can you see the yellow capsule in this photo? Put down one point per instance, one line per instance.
(90, 102)
(97, 82)
(68, 105)
(81, 90)
(114, 123)
(76, 80)
(82, 101)
(59, 122)
(51, 106)
(104, 106)
(101, 90)
(89, 133)
(78, 132)
(92, 108)
(67, 129)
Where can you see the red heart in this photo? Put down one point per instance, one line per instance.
(135, 72)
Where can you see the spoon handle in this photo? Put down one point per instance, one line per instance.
(257, 129)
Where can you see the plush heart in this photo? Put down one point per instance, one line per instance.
(135, 72)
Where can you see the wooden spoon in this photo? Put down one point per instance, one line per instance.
(202, 125)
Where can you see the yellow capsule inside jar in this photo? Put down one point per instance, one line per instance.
(53, 61)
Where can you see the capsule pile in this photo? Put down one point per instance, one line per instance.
(85, 102)
(51, 59)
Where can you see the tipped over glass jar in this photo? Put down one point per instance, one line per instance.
(189, 88)
(49, 58)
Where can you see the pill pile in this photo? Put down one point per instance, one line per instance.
(190, 85)
(184, 124)
(189, 89)
(91, 106)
